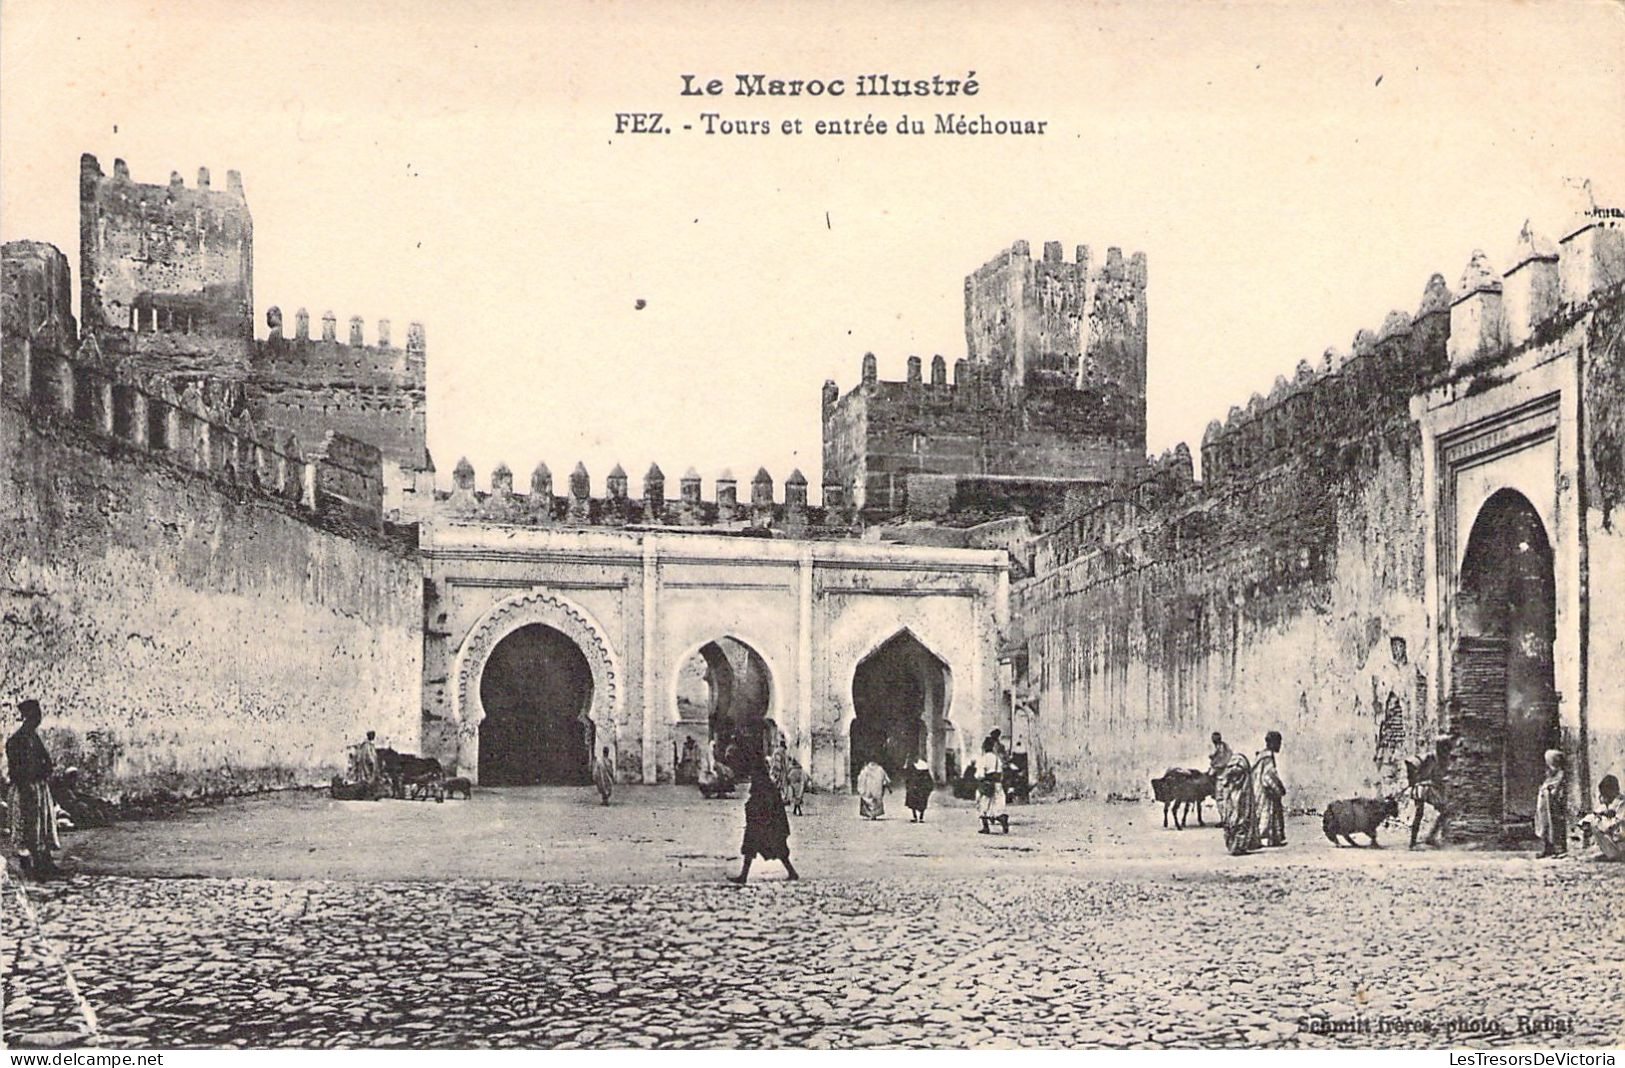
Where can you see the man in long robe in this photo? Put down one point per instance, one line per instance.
(32, 809)
(1238, 811)
(795, 786)
(1551, 808)
(367, 765)
(603, 776)
(1269, 792)
(872, 785)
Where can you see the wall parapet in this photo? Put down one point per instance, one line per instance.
(194, 430)
(761, 513)
(383, 359)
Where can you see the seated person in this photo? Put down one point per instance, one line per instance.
(1607, 824)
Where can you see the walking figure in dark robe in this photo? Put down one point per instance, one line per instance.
(917, 790)
(767, 824)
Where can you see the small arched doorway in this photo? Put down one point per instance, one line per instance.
(900, 704)
(536, 689)
(1503, 689)
(723, 688)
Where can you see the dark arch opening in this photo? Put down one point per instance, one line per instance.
(900, 696)
(1503, 692)
(722, 689)
(536, 689)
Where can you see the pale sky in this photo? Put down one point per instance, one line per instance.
(1291, 172)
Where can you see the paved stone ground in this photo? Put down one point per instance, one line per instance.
(533, 918)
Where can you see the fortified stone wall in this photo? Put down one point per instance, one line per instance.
(1285, 593)
(195, 608)
(372, 392)
(167, 272)
(1605, 535)
(1049, 324)
(884, 437)
(1294, 589)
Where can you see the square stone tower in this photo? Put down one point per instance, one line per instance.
(167, 273)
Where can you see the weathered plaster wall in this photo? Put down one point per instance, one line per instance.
(1286, 593)
(1273, 607)
(185, 640)
(1604, 414)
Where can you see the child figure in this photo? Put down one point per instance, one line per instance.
(1551, 815)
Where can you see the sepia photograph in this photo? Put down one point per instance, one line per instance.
(610, 525)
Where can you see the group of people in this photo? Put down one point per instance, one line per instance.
(1250, 799)
(1605, 825)
(1250, 794)
(873, 782)
(991, 794)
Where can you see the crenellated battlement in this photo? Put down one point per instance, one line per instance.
(1334, 413)
(978, 383)
(1488, 315)
(202, 427)
(329, 357)
(759, 511)
(1083, 263)
(1048, 399)
(1052, 324)
(1321, 405)
(90, 171)
(373, 392)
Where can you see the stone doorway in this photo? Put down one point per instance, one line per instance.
(723, 689)
(1503, 689)
(900, 698)
(536, 690)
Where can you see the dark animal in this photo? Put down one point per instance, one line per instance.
(719, 785)
(460, 785)
(340, 790)
(423, 777)
(83, 809)
(1179, 789)
(965, 786)
(1361, 814)
(389, 770)
(409, 775)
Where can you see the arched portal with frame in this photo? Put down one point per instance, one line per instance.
(557, 613)
(900, 697)
(746, 693)
(1504, 696)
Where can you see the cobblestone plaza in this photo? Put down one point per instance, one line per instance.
(533, 917)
